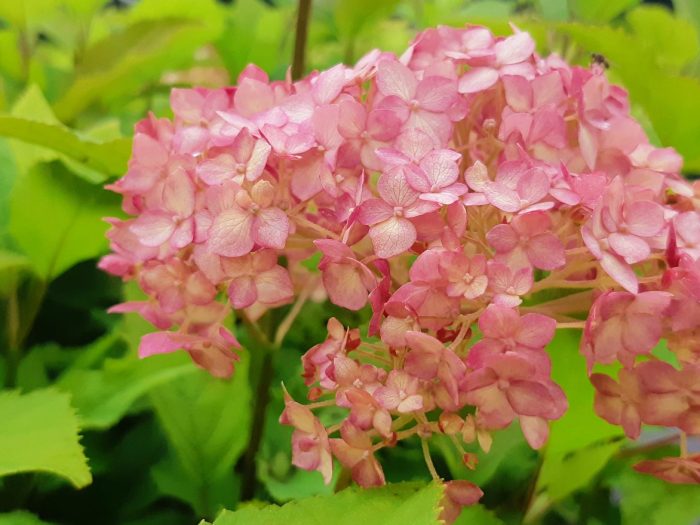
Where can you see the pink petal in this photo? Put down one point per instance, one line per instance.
(153, 229)
(436, 93)
(373, 211)
(545, 251)
(477, 79)
(231, 233)
(644, 218)
(503, 238)
(271, 228)
(393, 78)
(514, 49)
(620, 271)
(274, 286)
(392, 237)
(242, 292)
(630, 247)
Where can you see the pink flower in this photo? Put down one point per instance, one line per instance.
(467, 277)
(527, 241)
(346, 279)
(391, 230)
(505, 332)
(684, 470)
(508, 284)
(620, 231)
(354, 451)
(458, 493)
(509, 57)
(257, 278)
(516, 188)
(507, 386)
(311, 449)
(623, 326)
(619, 403)
(400, 393)
(245, 159)
(420, 104)
(247, 220)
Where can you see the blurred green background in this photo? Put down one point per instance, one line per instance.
(162, 441)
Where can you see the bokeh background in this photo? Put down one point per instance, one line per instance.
(163, 443)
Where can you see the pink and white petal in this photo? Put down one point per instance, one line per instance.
(373, 211)
(477, 79)
(392, 237)
(153, 229)
(502, 197)
(274, 286)
(393, 78)
(231, 233)
(516, 48)
(436, 93)
(345, 286)
(545, 251)
(242, 292)
(644, 218)
(630, 247)
(620, 271)
(258, 160)
(503, 238)
(271, 228)
(535, 430)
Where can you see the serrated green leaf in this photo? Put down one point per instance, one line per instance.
(55, 218)
(207, 422)
(40, 433)
(395, 504)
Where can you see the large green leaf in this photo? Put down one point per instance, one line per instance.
(107, 157)
(161, 35)
(256, 33)
(40, 433)
(206, 420)
(395, 504)
(55, 218)
(580, 426)
(102, 396)
(651, 501)
(600, 10)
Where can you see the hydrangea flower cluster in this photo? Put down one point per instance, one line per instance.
(474, 195)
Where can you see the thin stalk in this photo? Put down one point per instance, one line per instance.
(302, 29)
(261, 400)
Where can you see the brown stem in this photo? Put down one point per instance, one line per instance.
(303, 15)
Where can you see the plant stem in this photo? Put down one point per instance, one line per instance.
(303, 15)
(260, 402)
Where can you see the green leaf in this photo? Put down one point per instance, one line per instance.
(20, 517)
(477, 515)
(163, 36)
(256, 33)
(580, 426)
(651, 501)
(395, 504)
(105, 157)
(55, 218)
(103, 396)
(40, 433)
(600, 10)
(352, 15)
(206, 421)
(671, 41)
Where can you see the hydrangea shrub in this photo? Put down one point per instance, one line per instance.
(477, 196)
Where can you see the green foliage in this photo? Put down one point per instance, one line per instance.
(165, 440)
(40, 433)
(648, 500)
(55, 218)
(21, 518)
(207, 422)
(395, 504)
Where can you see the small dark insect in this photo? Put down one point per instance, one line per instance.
(597, 58)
